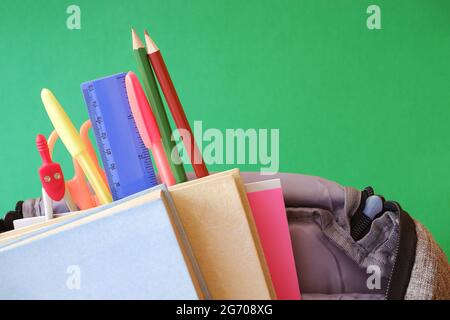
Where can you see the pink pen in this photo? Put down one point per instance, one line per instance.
(147, 126)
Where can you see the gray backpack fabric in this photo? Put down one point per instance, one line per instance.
(396, 259)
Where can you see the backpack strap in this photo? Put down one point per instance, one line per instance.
(405, 255)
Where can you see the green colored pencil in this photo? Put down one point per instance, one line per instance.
(154, 98)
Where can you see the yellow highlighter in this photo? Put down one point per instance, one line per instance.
(72, 140)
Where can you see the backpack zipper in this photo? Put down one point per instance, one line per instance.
(388, 288)
(404, 257)
(404, 250)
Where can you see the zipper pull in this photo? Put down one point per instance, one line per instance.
(369, 191)
(371, 206)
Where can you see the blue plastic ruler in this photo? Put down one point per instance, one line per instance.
(125, 158)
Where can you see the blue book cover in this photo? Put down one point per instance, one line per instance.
(10, 238)
(129, 251)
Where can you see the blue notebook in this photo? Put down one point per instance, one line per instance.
(134, 250)
(14, 236)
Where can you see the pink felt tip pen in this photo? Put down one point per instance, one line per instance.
(147, 126)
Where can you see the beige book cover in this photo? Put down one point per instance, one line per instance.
(218, 221)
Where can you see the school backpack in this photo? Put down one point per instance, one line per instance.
(396, 258)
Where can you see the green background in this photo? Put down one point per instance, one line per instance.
(358, 106)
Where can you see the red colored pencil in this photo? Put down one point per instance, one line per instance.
(176, 109)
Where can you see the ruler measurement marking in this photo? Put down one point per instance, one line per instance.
(143, 154)
(109, 164)
(102, 139)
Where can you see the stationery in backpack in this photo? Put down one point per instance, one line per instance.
(218, 221)
(134, 250)
(267, 203)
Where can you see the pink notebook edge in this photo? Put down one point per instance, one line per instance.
(264, 186)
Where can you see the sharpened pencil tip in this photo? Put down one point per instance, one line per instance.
(137, 43)
(151, 46)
